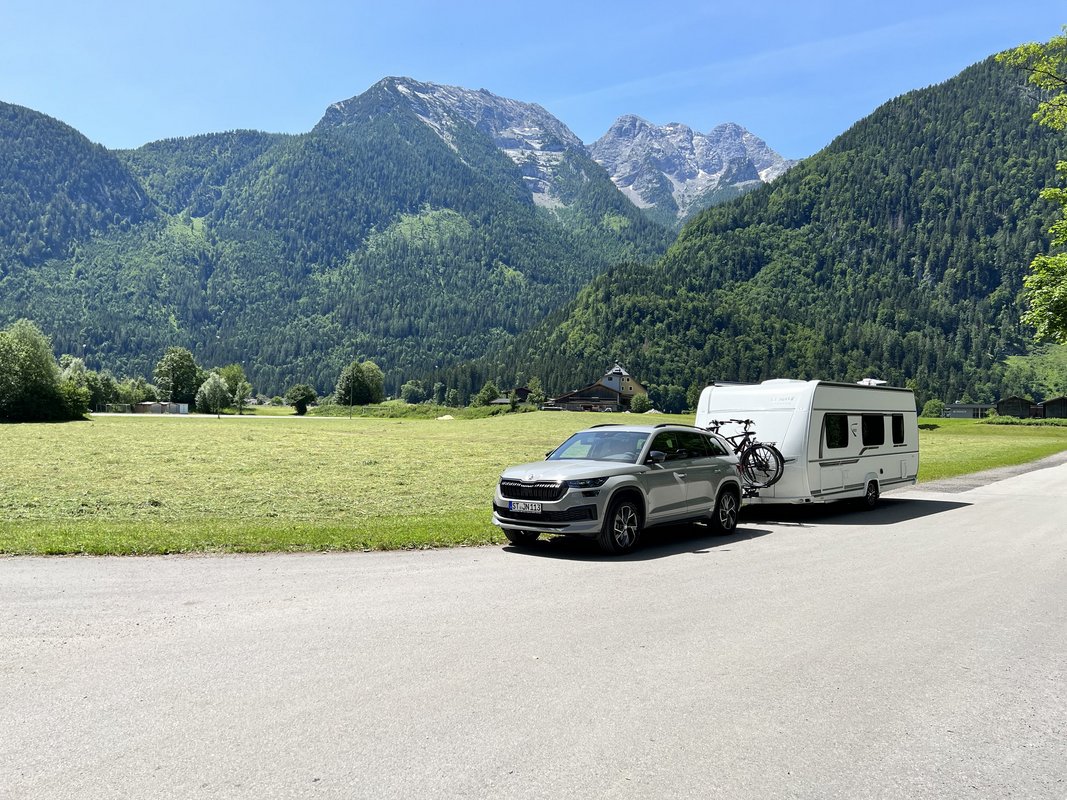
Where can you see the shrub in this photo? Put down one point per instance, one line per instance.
(640, 404)
(933, 408)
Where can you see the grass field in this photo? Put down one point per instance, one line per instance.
(141, 484)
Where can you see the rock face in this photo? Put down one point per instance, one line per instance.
(670, 171)
(677, 171)
(544, 148)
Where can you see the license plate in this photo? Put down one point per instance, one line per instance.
(524, 507)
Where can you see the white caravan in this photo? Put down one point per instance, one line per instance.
(839, 440)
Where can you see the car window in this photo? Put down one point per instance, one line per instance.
(715, 447)
(669, 443)
(695, 444)
(622, 446)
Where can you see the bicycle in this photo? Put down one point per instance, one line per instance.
(762, 463)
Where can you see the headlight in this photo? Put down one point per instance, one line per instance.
(587, 483)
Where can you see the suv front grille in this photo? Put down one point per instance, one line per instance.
(576, 514)
(548, 491)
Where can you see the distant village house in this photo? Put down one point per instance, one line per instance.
(613, 392)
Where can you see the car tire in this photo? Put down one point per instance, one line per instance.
(622, 527)
(724, 515)
(870, 498)
(521, 538)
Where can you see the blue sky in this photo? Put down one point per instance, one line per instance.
(797, 74)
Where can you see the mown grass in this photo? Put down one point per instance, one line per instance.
(131, 484)
(949, 447)
(135, 485)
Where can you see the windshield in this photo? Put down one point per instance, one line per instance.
(602, 445)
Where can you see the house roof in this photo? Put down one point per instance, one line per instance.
(597, 391)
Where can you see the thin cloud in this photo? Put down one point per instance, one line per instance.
(806, 56)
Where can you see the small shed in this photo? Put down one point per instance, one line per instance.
(155, 407)
(1014, 406)
(1056, 408)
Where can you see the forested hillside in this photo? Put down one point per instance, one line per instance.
(295, 255)
(897, 252)
(189, 174)
(57, 187)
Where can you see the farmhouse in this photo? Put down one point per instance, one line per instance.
(613, 392)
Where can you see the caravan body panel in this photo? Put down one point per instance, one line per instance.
(835, 437)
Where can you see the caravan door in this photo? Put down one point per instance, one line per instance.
(839, 453)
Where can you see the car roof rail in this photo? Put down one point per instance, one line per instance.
(605, 425)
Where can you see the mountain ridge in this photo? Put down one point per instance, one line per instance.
(896, 252)
(370, 236)
(677, 171)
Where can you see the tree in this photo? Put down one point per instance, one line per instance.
(1046, 68)
(452, 398)
(438, 395)
(412, 392)
(241, 394)
(486, 395)
(31, 388)
(299, 397)
(671, 399)
(352, 387)
(213, 396)
(375, 378)
(640, 404)
(1045, 288)
(933, 408)
(537, 391)
(100, 386)
(360, 385)
(136, 390)
(233, 374)
(178, 376)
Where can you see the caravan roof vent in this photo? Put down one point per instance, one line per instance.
(872, 382)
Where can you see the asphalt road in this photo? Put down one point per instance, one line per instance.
(916, 651)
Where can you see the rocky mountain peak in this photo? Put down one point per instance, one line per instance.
(525, 132)
(672, 167)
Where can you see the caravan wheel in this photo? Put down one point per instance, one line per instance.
(870, 497)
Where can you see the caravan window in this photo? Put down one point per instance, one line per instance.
(873, 430)
(836, 430)
(898, 429)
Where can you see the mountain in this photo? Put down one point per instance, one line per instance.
(552, 160)
(189, 174)
(416, 225)
(897, 252)
(674, 171)
(57, 187)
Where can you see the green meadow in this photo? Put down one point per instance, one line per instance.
(149, 484)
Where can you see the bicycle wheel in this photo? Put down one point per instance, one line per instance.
(762, 465)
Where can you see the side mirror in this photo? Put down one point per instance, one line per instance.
(656, 457)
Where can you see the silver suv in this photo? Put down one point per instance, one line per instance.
(609, 482)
